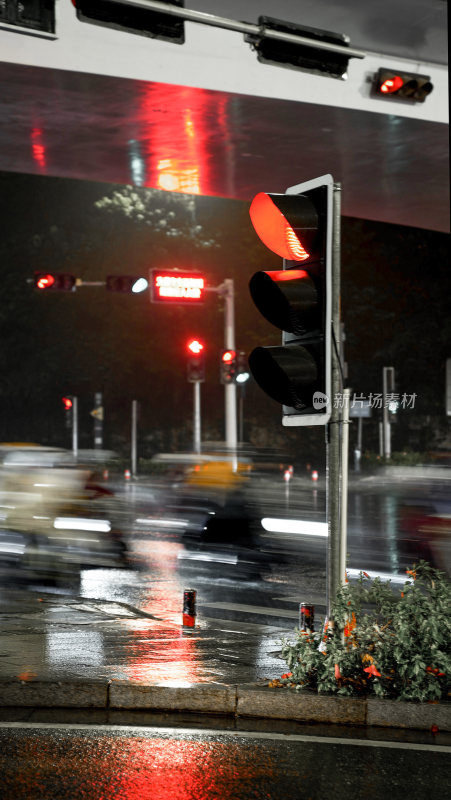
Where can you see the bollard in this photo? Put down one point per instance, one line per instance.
(306, 617)
(189, 608)
(127, 475)
(314, 475)
(106, 474)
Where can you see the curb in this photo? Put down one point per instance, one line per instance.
(248, 700)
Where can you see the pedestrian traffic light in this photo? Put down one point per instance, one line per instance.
(396, 85)
(297, 226)
(126, 283)
(196, 361)
(54, 282)
(133, 19)
(67, 403)
(228, 366)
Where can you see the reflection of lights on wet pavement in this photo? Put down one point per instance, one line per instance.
(74, 647)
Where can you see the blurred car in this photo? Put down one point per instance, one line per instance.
(54, 520)
(425, 532)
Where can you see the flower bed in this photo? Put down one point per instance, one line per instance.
(380, 643)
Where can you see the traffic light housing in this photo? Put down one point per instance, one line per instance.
(228, 364)
(133, 19)
(393, 84)
(68, 406)
(54, 282)
(242, 368)
(303, 56)
(196, 361)
(297, 299)
(126, 283)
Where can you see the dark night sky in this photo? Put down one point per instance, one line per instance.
(395, 304)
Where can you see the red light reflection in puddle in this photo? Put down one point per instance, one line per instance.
(180, 124)
(168, 653)
(167, 767)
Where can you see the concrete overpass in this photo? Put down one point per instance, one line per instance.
(206, 117)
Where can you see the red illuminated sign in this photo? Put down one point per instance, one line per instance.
(173, 286)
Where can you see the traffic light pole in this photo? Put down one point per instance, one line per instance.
(226, 290)
(333, 427)
(75, 426)
(196, 417)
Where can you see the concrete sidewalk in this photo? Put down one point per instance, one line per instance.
(74, 653)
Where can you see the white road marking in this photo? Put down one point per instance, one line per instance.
(271, 612)
(174, 732)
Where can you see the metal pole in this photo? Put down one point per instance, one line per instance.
(387, 386)
(240, 27)
(344, 484)
(333, 431)
(229, 344)
(98, 421)
(134, 454)
(196, 416)
(75, 426)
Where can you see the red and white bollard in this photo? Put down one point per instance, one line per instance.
(314, 475)
(306, 617)
(189, 608)
(106, 474)
(127, 475)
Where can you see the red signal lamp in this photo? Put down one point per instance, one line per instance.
(228, 356)
(391, 84)
(45, 281)
(67, 403)
(287, 225)
(195, 347)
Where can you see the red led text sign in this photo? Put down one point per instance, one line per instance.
(176, 287)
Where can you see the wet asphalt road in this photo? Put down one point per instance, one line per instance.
(75, 762)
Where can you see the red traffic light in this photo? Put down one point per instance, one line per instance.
(391, 84)
(67, 403)
(54, 281)
(195, 347)
(287, 225)
(396, 85)
(44, 281)
(228, 356)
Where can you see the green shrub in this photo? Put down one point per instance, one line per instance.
(395, 646)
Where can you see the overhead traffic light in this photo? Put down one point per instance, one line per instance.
(133, 19)
(228, 366)
(126, 283)
(306, 55)
(396, 85)
(54, 282)
(296, 299)
(196, 361)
